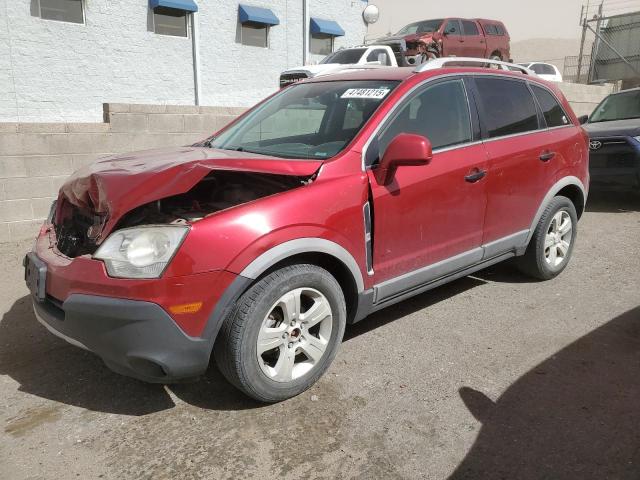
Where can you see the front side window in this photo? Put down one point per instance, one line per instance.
(508, 106)
(439, 112)
(306, 121)
(426, 26)
(254, 34)
(621, 106)
(553, 112)
(344, 57)
(452, 28)
(62, 10)
(321, 44)
(470, 28)
(169, 21)
(379, 56)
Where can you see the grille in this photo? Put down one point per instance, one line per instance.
(289, 78)
(614, 153)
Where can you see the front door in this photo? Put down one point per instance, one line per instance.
(453, 42)
(432, 213)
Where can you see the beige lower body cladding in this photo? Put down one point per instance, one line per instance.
(36, 158)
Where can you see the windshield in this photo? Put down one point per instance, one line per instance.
(307, 120)
(426, 26)
(620, 106)
(351, 55)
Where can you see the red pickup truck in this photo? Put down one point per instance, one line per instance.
(456, 37)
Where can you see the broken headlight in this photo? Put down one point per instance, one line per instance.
(141, 252)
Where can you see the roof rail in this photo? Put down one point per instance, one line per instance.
(473, 62)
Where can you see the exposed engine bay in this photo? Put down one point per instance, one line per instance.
(78, 230)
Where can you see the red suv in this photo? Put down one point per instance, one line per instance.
(457, 37)
(334, 198)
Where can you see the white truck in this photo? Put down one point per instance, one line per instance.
(381, 55)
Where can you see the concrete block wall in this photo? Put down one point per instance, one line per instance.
(36, 158)
(584, 98)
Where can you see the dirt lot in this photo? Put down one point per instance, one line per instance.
(492, 376)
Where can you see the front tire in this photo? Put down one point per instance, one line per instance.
(283, 333)
(551, 246)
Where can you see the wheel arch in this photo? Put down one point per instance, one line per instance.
(316, 251)
(570, 187)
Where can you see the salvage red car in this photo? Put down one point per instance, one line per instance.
(458, 37)
(334, 198)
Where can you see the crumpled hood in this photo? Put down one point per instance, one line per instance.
(113, 186)
(615, 128)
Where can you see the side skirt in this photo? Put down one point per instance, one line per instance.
(366, 304)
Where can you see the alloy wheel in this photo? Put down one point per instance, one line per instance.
(294, 335)
(558, 238)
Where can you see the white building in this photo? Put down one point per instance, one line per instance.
(60, 60)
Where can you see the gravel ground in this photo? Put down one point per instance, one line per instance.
(492, 376)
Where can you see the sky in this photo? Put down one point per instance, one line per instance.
(523, 19)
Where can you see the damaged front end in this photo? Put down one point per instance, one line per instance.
(90, 207)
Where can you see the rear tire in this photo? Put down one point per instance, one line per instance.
(283, 333)
(551, 246)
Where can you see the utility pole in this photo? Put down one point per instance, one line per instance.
(596, 45)
(583, 22)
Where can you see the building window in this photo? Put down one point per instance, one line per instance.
(254, 25)
(321, 44)
(323, 32)
(62, 10)
(254, 34)
(169, 21)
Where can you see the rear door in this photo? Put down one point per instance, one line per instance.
(521, 159)
(453, 42)
(474, 42)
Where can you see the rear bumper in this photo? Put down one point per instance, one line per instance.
(133, 337)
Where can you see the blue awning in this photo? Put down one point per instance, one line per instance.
(326, 27)
(265, 16)
(186, 5)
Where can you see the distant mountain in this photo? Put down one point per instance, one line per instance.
(550, 50)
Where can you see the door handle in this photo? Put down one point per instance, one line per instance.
(547, 155)
(475, 176)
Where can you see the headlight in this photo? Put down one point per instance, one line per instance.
(637, 138)
(140, 252)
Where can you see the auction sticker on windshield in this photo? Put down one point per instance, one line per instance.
(376, 93)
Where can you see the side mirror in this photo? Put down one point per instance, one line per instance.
(583, 119)
(406, 149)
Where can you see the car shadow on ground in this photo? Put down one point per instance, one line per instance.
(573, 416)
(411, 305)
(613, 201)
(48, 367)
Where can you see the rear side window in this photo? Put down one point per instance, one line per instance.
(490, 29)
(508, 106)
(553, 112)
(469, 28)
(500, 30)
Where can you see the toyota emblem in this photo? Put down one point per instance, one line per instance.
(595, 144)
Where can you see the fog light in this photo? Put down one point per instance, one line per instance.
(185, 308)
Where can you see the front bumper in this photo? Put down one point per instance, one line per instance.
(134, 338)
